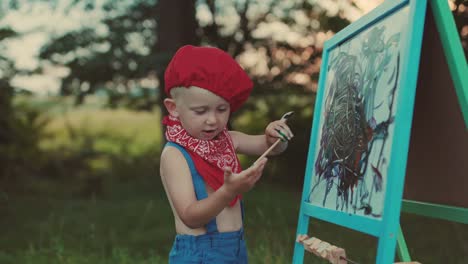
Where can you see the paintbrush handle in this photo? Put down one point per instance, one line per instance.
(268, 150)
(348, 260)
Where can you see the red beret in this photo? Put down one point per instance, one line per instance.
(211, 69)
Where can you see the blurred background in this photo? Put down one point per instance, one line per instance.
(81, 134)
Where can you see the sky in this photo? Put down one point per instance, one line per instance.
(38, 22)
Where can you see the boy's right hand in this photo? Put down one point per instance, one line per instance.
(237, 183)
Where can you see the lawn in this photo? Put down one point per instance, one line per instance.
(133, 224)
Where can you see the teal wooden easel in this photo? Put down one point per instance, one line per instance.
(407, 18)
(441, 38)
(445, 112)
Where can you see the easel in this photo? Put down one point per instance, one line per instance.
(442, 57)
(454, 116)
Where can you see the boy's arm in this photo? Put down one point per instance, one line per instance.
(179, 187)
(257, 144)
(253, 145)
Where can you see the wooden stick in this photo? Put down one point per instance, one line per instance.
(268, 150)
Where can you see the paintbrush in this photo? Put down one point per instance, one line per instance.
(348, 260)
(285, 117)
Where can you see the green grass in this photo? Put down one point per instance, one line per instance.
(120, 226)
(133, 223)
(112, 129)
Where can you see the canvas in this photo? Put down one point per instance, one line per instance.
(357, 120)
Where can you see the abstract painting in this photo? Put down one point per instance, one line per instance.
(357, 119)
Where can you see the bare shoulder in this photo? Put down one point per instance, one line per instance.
(169, 153)
(172, 160)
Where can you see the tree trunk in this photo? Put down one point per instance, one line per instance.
(176, 27)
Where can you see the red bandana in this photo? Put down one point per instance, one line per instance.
(209, 156)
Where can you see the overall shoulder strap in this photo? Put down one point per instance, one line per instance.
(198, 183)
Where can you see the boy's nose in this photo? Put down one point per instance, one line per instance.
(211, 119)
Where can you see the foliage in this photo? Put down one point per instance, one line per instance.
(460, 14)
(20, 133)
(119, 53)
(119, 145)
(127, 50)
(84, 147)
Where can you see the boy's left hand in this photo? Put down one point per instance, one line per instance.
(278, 129)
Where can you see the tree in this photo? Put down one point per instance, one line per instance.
(290, 67)
(177, 26)
(164, 26)
(460, 13)
(6, 108)
(114, 59)
(20, 126)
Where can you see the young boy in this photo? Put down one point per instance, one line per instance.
(199, 169)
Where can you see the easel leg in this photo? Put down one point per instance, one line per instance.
(402, 249)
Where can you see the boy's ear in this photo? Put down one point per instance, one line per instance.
(170, 105)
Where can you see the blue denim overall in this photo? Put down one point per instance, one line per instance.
(212, 247)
